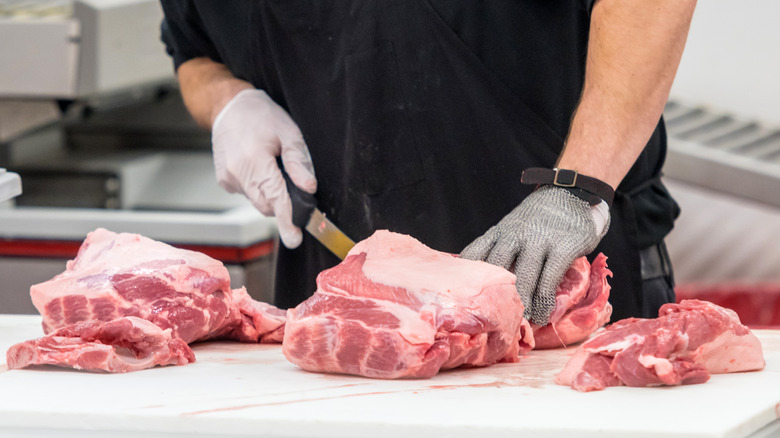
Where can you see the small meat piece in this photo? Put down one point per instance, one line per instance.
(581, 305)
(395, 308)
(684, 345)
(118, 346)
(263, 322)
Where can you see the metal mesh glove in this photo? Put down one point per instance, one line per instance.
(247, 136)
(539, 240)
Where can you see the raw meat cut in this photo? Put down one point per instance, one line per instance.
(581, 305)
(121, 345)
(395, 308)
(127, 275)
(684, 345)
(116, 275)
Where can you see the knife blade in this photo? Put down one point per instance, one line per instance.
(307, 216)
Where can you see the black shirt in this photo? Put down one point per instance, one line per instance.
(420, 115)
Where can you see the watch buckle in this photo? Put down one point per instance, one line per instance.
(562, 184)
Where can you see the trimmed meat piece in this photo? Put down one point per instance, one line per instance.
(684, 345)
(395, 308)
(581, 305)
(118, 346)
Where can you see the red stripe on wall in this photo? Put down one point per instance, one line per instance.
(62, 249)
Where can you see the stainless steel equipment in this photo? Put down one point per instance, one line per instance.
(67, 49)
(165, 193)
(92, 122)
(723, 152)
(724, 170)
(10, 185)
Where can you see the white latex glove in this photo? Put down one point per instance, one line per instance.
(247, 135)
(600, 213)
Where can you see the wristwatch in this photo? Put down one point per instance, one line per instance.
(587, 188)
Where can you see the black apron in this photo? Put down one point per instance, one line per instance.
(420, 118)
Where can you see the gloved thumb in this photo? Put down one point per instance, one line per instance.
(296, 158)
(271, 198)
(290, 235)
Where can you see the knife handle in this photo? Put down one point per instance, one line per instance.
(303, 203)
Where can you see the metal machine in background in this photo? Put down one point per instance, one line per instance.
(67, 49)
(724, 170)
(723, 152)
(92, 122)
(10, 185)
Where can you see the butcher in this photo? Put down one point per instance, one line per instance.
(525, 133)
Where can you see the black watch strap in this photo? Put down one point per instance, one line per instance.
(584, 187)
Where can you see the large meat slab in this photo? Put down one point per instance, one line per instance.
(182, 293)
(395, 308)
(684, 345)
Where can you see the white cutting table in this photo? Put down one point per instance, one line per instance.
(238, 389)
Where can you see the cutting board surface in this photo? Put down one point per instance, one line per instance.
(250, 389)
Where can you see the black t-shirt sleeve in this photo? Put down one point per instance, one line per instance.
(184, 34)
(588, 5)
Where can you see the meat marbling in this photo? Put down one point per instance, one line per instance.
(684, 345)
(115, 276)
(581, 305)
(395, 308)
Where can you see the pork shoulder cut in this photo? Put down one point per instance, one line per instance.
(395, 308)
(684, 345)
(185, 293)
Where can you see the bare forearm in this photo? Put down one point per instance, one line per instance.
(634, 50)
(206, 87)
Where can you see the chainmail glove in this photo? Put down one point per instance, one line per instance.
(539, 240)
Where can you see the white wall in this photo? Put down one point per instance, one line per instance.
(732, 59)
(719, 238)
(731, 64)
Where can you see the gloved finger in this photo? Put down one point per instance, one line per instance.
(504, 252)
(225, 178)
(290, 235)
(255, 196)
(528, 268)
(275, 191)
(229, 183)
(480, 247)
(297, 162)
(552, 273)
(264, 185)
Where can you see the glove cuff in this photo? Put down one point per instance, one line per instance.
(601, 218)
(584, 187)
(236, 100)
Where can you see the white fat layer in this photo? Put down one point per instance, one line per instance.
(620, 345)
(661, 365)
(127, 357)
(401, 261)
(730, 353)
(105, 253)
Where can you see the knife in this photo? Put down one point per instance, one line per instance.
(306, 215)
